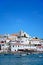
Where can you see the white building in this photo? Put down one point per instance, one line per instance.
(23, 37)
(20, 41)
(35, 41)
(3, 46)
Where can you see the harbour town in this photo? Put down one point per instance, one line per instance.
(20, 42)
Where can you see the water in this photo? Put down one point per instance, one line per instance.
(32, 59)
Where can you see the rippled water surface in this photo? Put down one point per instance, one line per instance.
(32, 59)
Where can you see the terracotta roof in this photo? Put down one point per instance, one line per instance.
(17, 44)
(9, 39)
(33, 39)
(14, 35)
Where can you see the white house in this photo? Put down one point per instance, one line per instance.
(3, 46)
(20, 41)
(23, 37)
(35, 41)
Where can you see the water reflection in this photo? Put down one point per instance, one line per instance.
(32, 59)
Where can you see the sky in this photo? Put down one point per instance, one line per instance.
(26, 15)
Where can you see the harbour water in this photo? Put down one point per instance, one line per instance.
(31, 59)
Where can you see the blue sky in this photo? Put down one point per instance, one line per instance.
(16, 15)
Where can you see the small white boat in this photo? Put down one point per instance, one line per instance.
(28, 53)
(40, 56)
(22, 54)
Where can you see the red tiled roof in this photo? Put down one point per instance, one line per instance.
(35, 39)
(14, 35)
(18, 44)
(8, 39)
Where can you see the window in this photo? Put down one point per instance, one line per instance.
(22, 41)
(15, 50)
(2, 41)
(18, 45)
(2, 44)
(13, 45)
(18, 41)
